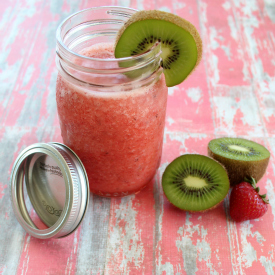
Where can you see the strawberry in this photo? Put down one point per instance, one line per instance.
(246, 203)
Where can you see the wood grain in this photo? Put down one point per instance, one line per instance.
(231, 93)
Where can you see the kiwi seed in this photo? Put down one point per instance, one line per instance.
(242, 158)
(181, 44)
(195, 183)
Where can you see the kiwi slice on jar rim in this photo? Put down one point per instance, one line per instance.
(195, 183)
(181, 45)
(242, 158)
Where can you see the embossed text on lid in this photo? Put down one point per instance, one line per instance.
(49, 190)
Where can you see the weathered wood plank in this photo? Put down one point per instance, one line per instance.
(189, 107)
(257, 25)
(190, 242)
(32, 106)
(93, 238)
(130, 245)
(230, 93)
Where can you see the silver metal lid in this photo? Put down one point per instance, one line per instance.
(48, 179)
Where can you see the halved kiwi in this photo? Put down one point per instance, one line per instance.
(195, 182)
(181, 44)
(242, 158)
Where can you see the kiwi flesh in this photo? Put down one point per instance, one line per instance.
(195, 183)
(241, 158)
(181, 45)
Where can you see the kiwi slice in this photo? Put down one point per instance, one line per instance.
(181, 44)
(242, 158)
(195, 183)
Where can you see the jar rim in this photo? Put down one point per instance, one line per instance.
(94, 26)
(124, 59)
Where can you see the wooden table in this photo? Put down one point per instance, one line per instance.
(232, 93)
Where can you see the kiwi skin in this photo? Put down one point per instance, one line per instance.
(238, 170)
(166, 16)
(201, 211)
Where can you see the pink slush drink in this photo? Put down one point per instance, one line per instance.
(118, 135)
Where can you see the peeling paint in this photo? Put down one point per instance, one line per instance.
(230, 93)
(236, 106)
(164, 8)
(2, 188)
(214, 38)
(191, 252)
(160, 267)
(249, 254)
(271, 197)
(125, 245)
(215, 69)
(226, 5)
(268, 264)
(172, 90)
(270, 9)
(93, 237)
(183, 138)
(28, 74)
(189, 255)
(170, 120)
(180, 138)
(233, 30)
(195, 94)
(125, 3)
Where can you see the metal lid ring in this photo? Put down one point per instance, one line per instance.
(76, 189)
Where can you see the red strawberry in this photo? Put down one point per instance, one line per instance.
(246, 203)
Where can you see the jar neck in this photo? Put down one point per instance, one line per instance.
(92, 26)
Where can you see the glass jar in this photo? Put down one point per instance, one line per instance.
(111, 111)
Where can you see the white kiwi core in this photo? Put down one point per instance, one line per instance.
(165, 51)
(195, 182)
(238, 148)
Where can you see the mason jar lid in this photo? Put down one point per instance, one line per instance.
(51, 178)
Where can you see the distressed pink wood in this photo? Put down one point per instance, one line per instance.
(231, 93)
(189, 108)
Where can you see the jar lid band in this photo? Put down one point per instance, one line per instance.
(51, 178)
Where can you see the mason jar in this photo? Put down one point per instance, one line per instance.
(111, 111)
